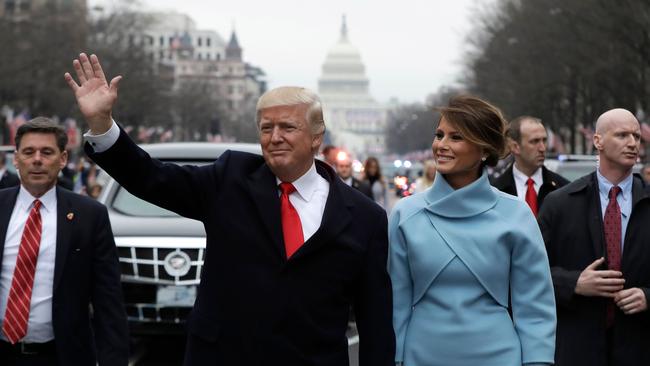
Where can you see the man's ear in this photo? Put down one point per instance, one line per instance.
(64, 159)
(515, 149)
(598, 142)
(317, 141)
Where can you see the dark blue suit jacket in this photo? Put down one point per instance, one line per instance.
(255, 307)
(86, 272)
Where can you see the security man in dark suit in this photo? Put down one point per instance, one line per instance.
(290, 247)
(7, 178)
(596, 231)
(58, 259)
(344, 170)
(528, 178)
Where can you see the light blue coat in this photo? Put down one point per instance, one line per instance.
(454, 256)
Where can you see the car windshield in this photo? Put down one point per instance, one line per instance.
(128, 204)
(574, 172)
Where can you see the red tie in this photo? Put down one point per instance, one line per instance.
(20, 295)
(531, 195)
(613, 240)
(291, 226)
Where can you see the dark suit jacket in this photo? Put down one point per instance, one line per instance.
(362, 187)
(255, 307)
(86, 272)
(572, 226)
(551, 181)
(9, 179)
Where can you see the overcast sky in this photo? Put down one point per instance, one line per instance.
(409, 47)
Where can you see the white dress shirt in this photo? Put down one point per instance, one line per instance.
(39, 326)
(521, 179)
(348, 181)
(308, 199)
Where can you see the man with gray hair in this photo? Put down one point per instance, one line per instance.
(290, 247)
(596, 233)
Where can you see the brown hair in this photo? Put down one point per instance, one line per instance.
(378, 176)
(43, 125)
(480, 123)
(514, 127)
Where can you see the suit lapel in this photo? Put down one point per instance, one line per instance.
(335, 217)
(638, 194)
(64, 227)
(510, 187)
(548, 186)
(262, 186)
(7, 202)
(595, 217)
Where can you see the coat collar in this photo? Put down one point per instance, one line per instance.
(261, 184)
(588, 186)
(468, 201)
(336, 216)
(590, 182)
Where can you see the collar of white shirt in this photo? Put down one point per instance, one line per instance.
(307, 184)
(25, 199)
(523, 178)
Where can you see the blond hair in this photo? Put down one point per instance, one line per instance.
(294, 95)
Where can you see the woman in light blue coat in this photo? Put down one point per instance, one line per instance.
(462, 251)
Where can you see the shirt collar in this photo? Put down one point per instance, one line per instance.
(348, 181)
(2, 172)
(605, 185)
(25, 199)
(536, 177)
(305, 185)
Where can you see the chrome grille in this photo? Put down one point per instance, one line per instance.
(142, 260)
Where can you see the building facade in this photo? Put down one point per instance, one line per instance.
(193, 57)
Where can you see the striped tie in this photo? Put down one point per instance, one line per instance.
(20, 295)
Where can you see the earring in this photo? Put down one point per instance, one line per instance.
(484, 158)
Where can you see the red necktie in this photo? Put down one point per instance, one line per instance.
(613, 241)
(291, 226)
(20, 294)
(531, 195)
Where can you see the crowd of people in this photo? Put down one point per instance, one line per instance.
(527, 269)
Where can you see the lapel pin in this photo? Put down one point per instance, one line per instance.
(553, 183)
(70, 216)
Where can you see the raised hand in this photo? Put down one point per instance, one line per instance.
(594, 282)
(95, 96)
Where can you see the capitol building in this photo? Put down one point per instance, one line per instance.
(355, 121)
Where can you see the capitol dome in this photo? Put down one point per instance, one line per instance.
(343, 71)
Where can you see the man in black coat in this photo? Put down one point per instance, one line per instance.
(344, 170)
(528, 178)
(49, 283)
(290, 247)
(596, 231)
(7, 178)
